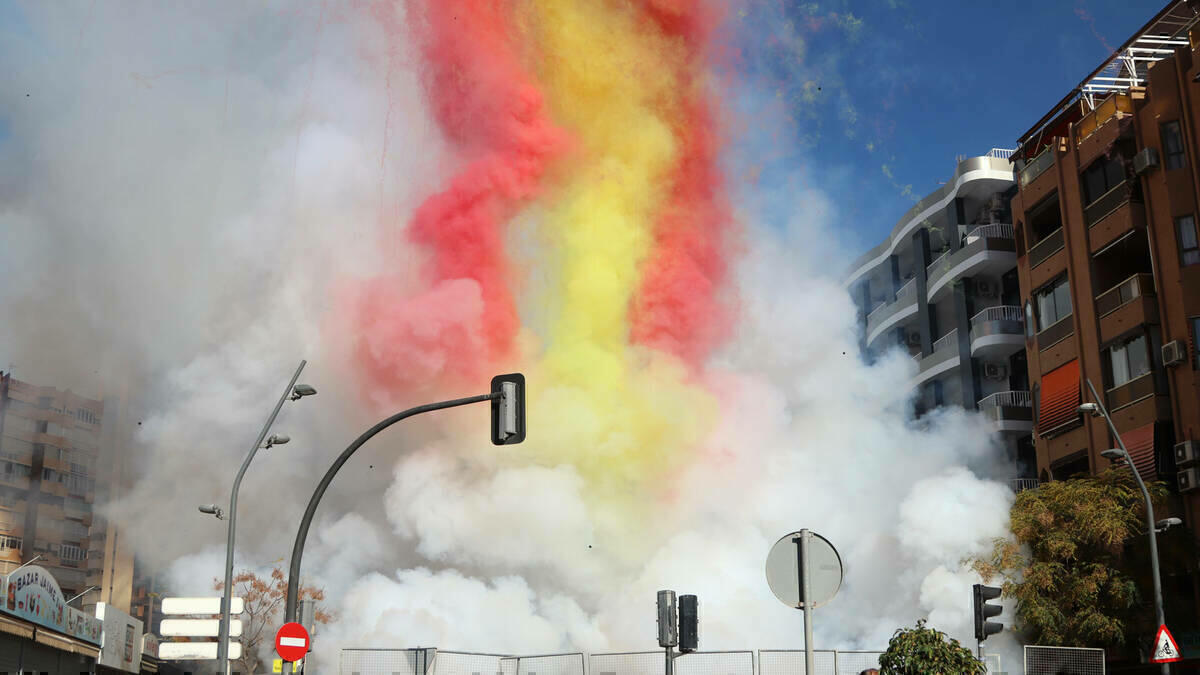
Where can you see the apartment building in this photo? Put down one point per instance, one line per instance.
(57, 461)
(943, 287)
(1109, 267)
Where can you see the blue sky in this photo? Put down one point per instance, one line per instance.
(881, 96)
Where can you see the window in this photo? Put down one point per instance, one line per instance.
(1194, 322)
(71, 552)
(1128, 360)
(1053, 303)
(1189, 247)
(1102, 176)
(1173, 145)
(1029, 324)
(7, 542)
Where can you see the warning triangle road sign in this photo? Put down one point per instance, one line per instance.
(1166, 649)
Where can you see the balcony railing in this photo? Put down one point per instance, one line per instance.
(1000, 153)
(947, 341)
(1094, 120)
(1007, 399)
(1022, 484)
(908, 290)
(1130, 289)
(1136, 389)
(996, 231)
(1048, 246)
(933, 265)
(998, 313)
(1108, 202)
(1037, 166)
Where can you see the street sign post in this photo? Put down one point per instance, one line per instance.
(291, 642)
(1166, 650)
(804, 571)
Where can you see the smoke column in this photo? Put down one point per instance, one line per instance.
(564, 195)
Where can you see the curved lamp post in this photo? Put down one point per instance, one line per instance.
(1097, 410)
(293, 392)
(508, 427)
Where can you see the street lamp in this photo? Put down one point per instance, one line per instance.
(292, 392)
(212, 509)
(1167, 523)
(278, 439)
(85, 592)
(1096, 409)
(507, 399)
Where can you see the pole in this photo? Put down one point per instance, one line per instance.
(293, 588)
(670, 661)
(805, 592)
(1150, 527)
(223, 635)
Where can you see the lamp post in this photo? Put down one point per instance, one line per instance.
(508, 427)
(85, 592)
(1097, 409)
(293, 392)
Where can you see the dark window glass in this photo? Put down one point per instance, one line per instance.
(1189, 246)
(1053, 303)
(1128, 360)
(1103, 175)
(1173, 145)
(1195, 321)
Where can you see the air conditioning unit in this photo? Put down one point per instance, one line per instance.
(987, 289)
(1174, 353)
(914, 339)
(1189, 479)
(1145, 160)
(1187, 452)
(995, 371)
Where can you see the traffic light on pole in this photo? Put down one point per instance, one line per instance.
(984, 611)
(508, 409)
(689, 623)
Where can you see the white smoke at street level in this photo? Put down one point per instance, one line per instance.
(204, 255)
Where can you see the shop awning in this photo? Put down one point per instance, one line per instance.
(66, 644)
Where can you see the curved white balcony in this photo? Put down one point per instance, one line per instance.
(989, 249)
(997, 332)
(1010, 411)
(943, 359)
(885, 317)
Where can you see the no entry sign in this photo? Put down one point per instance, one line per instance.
(291, 642)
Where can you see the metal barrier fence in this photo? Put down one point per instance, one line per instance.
(438, 662)
(825, 661)
(1063, 660)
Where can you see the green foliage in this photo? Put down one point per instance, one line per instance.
(1063, 564)
(925, 651)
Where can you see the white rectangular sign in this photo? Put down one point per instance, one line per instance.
(200, 606)
(198, 627)
(120, 640)
(195, 651)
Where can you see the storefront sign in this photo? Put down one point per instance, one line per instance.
(121, 641)
(31, 593)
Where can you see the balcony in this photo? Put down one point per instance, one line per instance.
(1019, 485)
(997, 331)
(1037, 166)
(1010, 411)
(1048, 246)
(1131, 392)
(889, 315)
(1056, 332)
(1115, 105)
(1129, 304)
(988, 249)
(1109, 202)
(944, 358)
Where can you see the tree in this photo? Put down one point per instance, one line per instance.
(925, 651)
(1064, 562)
(263, 614)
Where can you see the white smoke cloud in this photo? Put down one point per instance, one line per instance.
(209, 176)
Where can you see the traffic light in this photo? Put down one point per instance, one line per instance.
(668, 634)
(508, 409)
(984, 611)
(689, 623)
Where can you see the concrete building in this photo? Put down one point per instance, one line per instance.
(1109, 266)
(58, 459)
(943, 287)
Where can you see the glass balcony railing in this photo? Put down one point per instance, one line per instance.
(1037, 166)
(1046, 247)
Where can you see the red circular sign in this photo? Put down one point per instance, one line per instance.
(291, 642)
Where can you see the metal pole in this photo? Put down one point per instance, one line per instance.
(805, 592)
(223, 636)
(293, 588)
(1151, 531)
(670, 662)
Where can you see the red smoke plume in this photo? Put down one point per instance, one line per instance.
(490, 110)
(677, 308)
